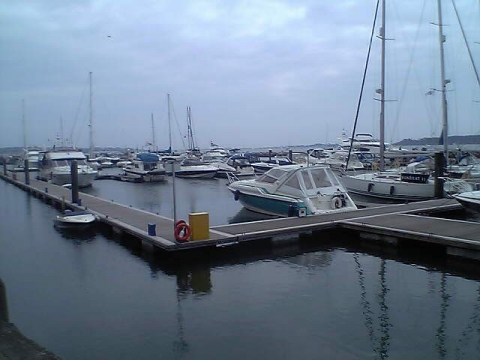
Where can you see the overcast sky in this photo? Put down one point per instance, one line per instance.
(255, 73)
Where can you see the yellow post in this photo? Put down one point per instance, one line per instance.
(199, 223)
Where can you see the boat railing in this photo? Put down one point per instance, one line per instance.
(232, 177)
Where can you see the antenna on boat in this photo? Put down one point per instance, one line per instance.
(91, 116)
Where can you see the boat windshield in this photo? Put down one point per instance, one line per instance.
(272, 175)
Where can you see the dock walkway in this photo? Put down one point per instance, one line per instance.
(396, 220)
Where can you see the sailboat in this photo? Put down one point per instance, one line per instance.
(192, 166)
(405, 184)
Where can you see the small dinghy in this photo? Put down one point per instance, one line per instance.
(74, 219)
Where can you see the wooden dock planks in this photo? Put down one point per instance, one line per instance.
(464, 234)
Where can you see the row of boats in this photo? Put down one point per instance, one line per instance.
(298, 184)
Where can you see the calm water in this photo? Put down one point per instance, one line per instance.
(92, 297)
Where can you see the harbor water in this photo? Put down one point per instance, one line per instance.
(91, 295)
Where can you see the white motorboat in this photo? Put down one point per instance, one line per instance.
(241, 165)
(74, 220)
(33, 157)
(195, 169)
(55, 167)
(362, 142)
(293, 190)
(470, 200)
(267, 164)
(338, 161)
(468, 167)
(147, 167)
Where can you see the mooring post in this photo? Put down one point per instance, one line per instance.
(74, 180)
(439, 159)
(5, 167)
(26, 169)
(290, 155)
(174, 196)
(270, 155)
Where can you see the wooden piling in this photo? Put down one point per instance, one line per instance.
(26, 169)
(74, 181)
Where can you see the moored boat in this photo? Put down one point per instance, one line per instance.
(293, 190)
(55, 167)
(470, 200)
(74, 220)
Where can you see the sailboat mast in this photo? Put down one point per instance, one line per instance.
(443, 90)
(153, 133)
(61, 132)
(91, 116)
(24, 125)
(189, 130)
(169, 124)
(382, 93)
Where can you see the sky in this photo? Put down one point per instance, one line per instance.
(255, 73)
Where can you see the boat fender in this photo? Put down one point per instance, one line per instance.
(392, 190)
(236, 195)
(370, 187)
(337, 202)
(182, 231)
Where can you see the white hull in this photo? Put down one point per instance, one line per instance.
(388, 188)
(84, 179)
(197, 172)
(470, 200)
(146, 176)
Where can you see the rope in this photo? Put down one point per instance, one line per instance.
(363, 84)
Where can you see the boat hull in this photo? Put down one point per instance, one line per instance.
(192, 174)
(84, 179)
(147, 176)
(470, 200)
(395, 190)
(267, 206)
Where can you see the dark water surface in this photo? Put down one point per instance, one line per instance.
(90, 296)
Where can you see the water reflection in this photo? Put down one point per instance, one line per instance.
(245, 215)
(440, 335)
(78, 236)
(379, 345)
(472, 325)
(3, 303)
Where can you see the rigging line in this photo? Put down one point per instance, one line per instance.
(466, 42)
(363, 84)
(410, 62)
(178, 125)
(78, 111)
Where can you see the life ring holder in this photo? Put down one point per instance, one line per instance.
(182, 231)
(337, 202)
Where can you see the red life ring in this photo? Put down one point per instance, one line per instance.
(180, 222)
(182, 231)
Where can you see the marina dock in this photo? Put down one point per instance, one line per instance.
(387, 223)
